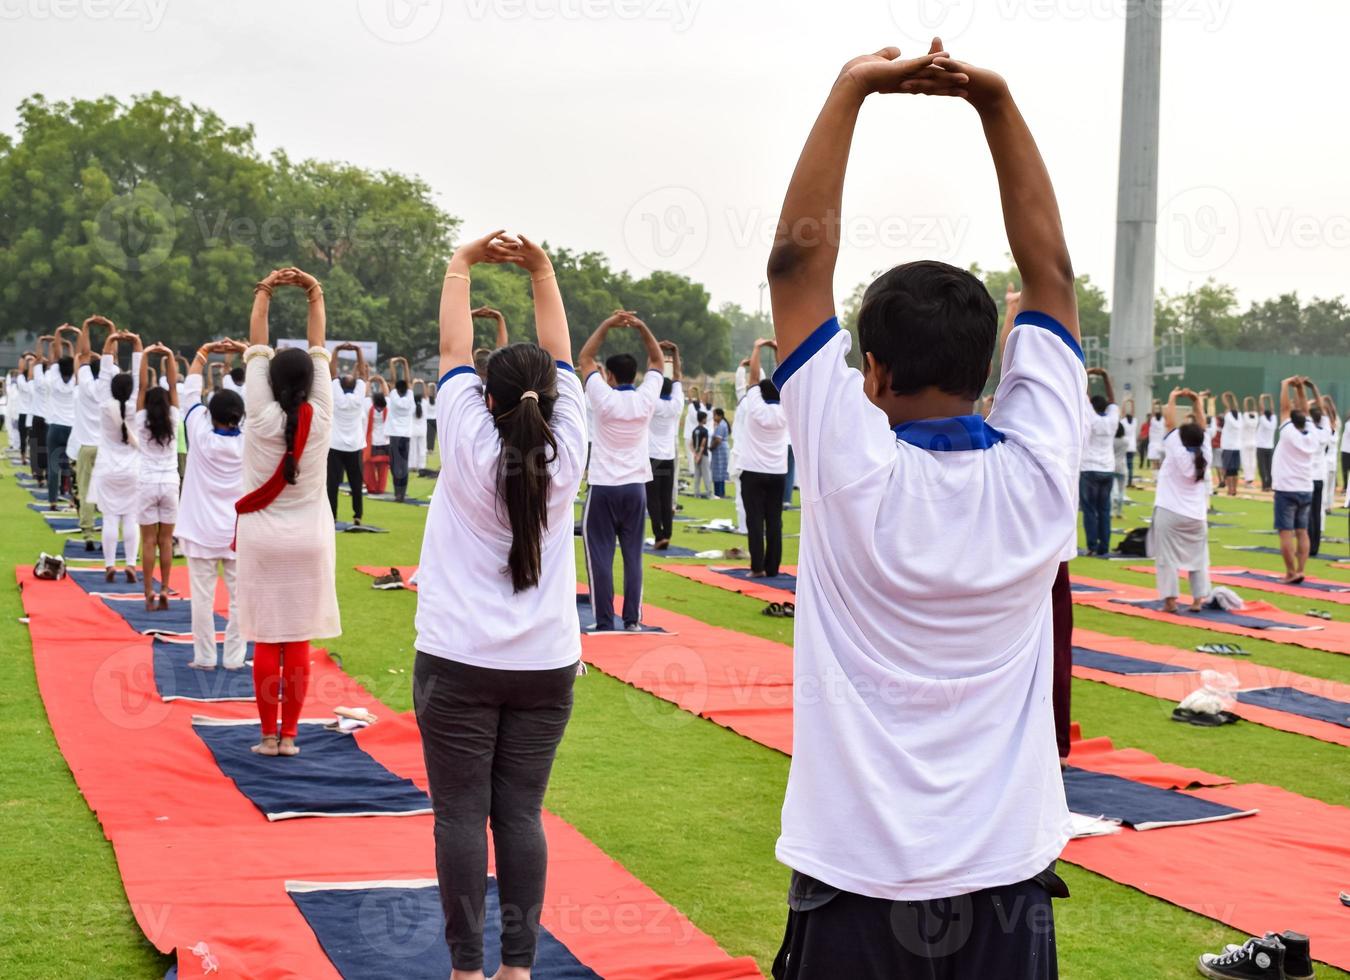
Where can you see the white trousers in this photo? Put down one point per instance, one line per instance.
(202, 573)
(131, 538)
(740, 508)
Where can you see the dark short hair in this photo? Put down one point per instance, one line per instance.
(623, 368)
(1099, 403)
(226, 408)
(718, 413)
(768, 390)
(237, 375)
(667, 385)
(931, 325)
(703, 416)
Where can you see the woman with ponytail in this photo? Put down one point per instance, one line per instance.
(157, 498)
(286, 573)
(117, 467)
(417, 451)
(1179, 535)
(498, 637)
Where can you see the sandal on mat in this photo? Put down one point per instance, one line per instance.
(1222, 650)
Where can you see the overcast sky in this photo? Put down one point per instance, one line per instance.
(662, 132)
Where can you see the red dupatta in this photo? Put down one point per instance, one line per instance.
(263, 496)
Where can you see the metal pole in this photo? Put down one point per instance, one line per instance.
(1132, 344)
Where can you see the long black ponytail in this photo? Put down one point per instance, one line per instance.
(523, 382)
(1193, 438)
(121, 389)
(291, 375)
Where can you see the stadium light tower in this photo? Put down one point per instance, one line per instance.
(1132, 345)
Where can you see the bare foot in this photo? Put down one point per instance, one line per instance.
(288, 747)
(1169, 605)
(268, 746)
(164, 603)
(131, 574)
(512, 973)
(467, 975)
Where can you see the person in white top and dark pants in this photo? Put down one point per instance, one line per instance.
(1296, 465)
(399, 426)
(82, 447)
(61, 382)
(620, 468)
(1179, 535)
(1266, 424)
(1098, 467)
(349, 430)
(661, 440)
(763, 443)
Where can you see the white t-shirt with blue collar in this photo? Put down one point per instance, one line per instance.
(925, 763)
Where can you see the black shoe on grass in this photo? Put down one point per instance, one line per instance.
(394, 580)
(1256, 959)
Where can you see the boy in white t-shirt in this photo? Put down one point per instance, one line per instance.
(620, 467)
(350, 419)
(1266, 424)
(661, 444)
(1296, 463)
(924, 784)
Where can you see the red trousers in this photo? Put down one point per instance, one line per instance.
(376, 472)
(280, 679)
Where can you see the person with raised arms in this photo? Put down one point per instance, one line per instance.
(1250, 418)
(206, 516)
(61, 382)
(82, 446)
(1295, 462)
(620, 466)
(287, 555)
(1179, 534)
(1322, 430)
(350, 422)
(1157, 432)
(1266, 424)
(498, 636)
(117, 468)
(763, 444)
(661, 442)
(376, 458)
(157, 493)
(1230, 442)
(399, 425)
(1098, 466)
(930, 542)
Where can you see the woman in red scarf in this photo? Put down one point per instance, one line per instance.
(287, 591)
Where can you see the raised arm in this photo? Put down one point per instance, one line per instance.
(1230, 402)
(586, 360)
(316, 322)
(550, 318)
(144, 385)
(1012, 305)
(806, 245)
(753, 375)
(1329, 409)
(258, 332)
(1128, 406)
(488, 313)
(1201, 418)
(456, 322)
(1107, 386)
(1264, 400)
(171, 369)
(1170, 409)
(656, 357)
(1292, 398)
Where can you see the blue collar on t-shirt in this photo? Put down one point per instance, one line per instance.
(625, 387)
(956, 434)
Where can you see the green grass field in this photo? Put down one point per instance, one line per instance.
(688, 807)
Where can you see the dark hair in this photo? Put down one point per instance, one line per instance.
(768, 390)
(1193, 438)
(237, 375)
(623, 367)
(417, 405)
(66, 365)
(378, 400)
(930, 324)
(291, 374)
(401, 386)
(1299, 419)
(480, 359)
(1120, 431)
(121, 389)
(702, 417)
(157, 417)
(667, 386)
(1315, 412)
(348, 383)
(95, 365)
(528, 446)
(1099, 403)
(226, 408)
(719, 414)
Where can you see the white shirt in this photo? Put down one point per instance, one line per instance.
(467, 609)
(90, 394)
(620, 453)
(212, 481)
(665, 420)
(924, 761)
(742, 379)
(1249, 430)
(691, 419)
(1265, 430)
(159, 462)
(1230, 436)
(1099, 448)
(1324, 432)
(1157, 431)
(1131, 431)
(1298, 459)
(400, 421)
(379, 434)
(1178, 489)
(37, 389)
(763, 437)
(349, 417)
(59, 407)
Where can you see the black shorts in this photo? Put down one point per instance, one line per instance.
(1006, 932)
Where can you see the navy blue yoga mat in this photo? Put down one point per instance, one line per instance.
(1305, 584)
(780, 581)
(331, 777)
(1138, 805)
(1296, 702)
(1263, 550)
(65, 523)
(345, 526)
(1216, 615)
(176, 619)
(76, 550)
(1116, 663)
(45, 508)
(588, 619)
(673, 551)
(399, 931)
(175, 680)
(93, 580)
(1079, 587)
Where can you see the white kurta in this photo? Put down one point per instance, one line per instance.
(287, 554)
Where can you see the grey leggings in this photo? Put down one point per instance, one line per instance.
(489, 738)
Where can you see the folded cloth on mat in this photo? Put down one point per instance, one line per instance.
(588, 619)
(93, 580)
(1263, 550)
(780, 581)
(1277, 580)
(175, 680)
(349, 528)
(176, 619)
(379, 929)
(1116, 663)
(1139, 805)
(75, 551)
(1296, 702)
(1217, 615)
(331, 777)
